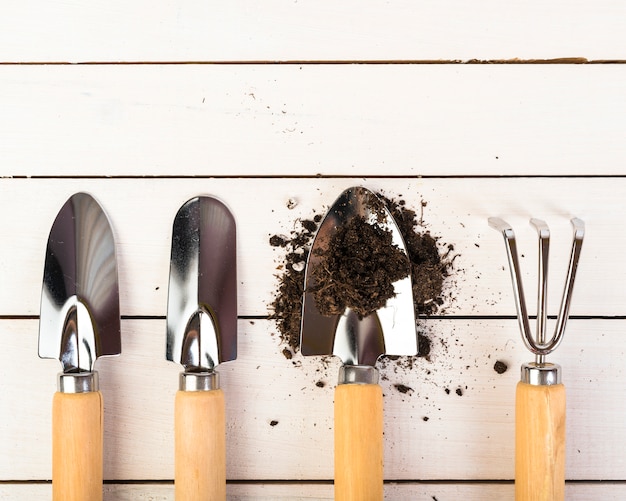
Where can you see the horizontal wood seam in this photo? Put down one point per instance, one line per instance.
(321, 482)
(315, 176)
(558, 60)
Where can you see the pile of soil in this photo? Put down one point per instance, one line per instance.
(359, 267)
(429, 267)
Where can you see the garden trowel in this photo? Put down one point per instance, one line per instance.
(359, 342)
(79, 322)
(201, 333)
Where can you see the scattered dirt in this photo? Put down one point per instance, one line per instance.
(273, 422)
(430, 265)
(287, 304)
(500, 367)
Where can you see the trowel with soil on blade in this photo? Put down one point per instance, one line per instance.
(358, 341)
(201, 333)
(79, 322)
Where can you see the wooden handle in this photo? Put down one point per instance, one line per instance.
(540, 442)
(77, 446)
(200, 438)
(358, 442)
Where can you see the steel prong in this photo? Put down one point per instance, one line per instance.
(516, 277)
(543, 232)
(579, 233)
(539, 346)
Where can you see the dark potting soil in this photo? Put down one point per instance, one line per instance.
(500, 367)
(429, 266)
(358, 270)
(403, 388)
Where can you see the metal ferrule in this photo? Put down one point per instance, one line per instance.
(358, 374)
(544, 374)
(78, 382)
(199, 381)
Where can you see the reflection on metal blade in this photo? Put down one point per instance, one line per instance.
(80, 314)
(202, 300)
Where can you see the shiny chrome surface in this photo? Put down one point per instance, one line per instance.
(357, 374)
(202, 298)
(539, 345)
(80, 314)
(358, 341)
(390, 330)
(541, 374)
(79, 382)
(198, 381)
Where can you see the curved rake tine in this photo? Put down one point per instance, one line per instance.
(539, 346)
(516, 276)
(579, 233)
(542, 282)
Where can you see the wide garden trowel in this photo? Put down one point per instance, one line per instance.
(79, 322)
(359, 341)
(201, 333)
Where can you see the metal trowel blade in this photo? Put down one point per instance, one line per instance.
(80, 313)
(202, 298)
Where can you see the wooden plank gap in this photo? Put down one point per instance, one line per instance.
(316, 176)
(329, 62)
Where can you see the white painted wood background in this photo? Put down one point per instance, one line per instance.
(145, 105)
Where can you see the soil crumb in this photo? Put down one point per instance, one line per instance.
(430, 263)
(320, 384)
(403, 388)
(424, 345)
(500, 367)
(278, 241)
(273, 422)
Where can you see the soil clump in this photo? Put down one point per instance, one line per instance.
(500, 367)
(358, 269)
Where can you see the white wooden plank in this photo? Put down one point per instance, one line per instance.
(142, 210)
(310, 119)
(279, 30)
(465, 437)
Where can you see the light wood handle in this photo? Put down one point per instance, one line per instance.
(77, 430)
(358, 442)
(200, 438)
(540, 442)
